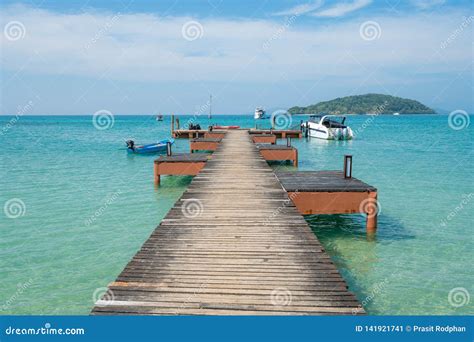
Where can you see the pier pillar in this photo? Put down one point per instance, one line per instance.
(156, 174)
(172, 124)
(372, 213)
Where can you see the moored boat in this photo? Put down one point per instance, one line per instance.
(259, 113)
(160, 146)
(329, 127)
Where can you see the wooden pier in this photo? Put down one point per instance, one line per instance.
(179, 164)
(194, 134)
(233, 244)
(278, 153)
(204, 144)
(328, 192)
(280, 133)
(264, 138)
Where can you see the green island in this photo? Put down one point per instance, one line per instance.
(365, 104)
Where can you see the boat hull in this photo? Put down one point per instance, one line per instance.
(158, 147)
(322, 132)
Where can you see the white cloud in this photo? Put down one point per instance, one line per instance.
(302, 9)
(342, 9)
(146, 47)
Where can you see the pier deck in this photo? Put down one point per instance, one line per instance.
(204, 144)
(233, 244)
(279, 133)
(328, 192)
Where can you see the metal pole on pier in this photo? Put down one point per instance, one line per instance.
(172, 124)
(210, 106)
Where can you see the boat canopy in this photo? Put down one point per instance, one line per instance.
(330, 121)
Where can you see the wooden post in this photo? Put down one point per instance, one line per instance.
(371, 225)
(156, 174)
(172, 124)
(177, 123)
(168, 149)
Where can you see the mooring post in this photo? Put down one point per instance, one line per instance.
(372, 213)
(168, 149)
(172, 124)
(347, 166)
(288, 141)
(177, 123)
(156, 174)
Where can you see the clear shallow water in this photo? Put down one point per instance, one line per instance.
(88, 207)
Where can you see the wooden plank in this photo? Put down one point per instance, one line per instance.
(321, 181)
(233, 244)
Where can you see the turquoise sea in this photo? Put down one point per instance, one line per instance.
(75, 208)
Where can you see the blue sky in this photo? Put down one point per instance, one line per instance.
(145, 57)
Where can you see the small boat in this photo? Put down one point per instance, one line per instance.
(259, 113)
(396, 113)
(329, 127)
(159, 117)
(225, 127)
(160, 146)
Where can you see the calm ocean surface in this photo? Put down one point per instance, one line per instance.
(85, 207)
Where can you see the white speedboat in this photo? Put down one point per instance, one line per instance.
(259, 113)
(329, 127)
(396, 113)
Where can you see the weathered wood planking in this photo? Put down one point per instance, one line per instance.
(320, 181)
(233, 244)
(280, 133)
